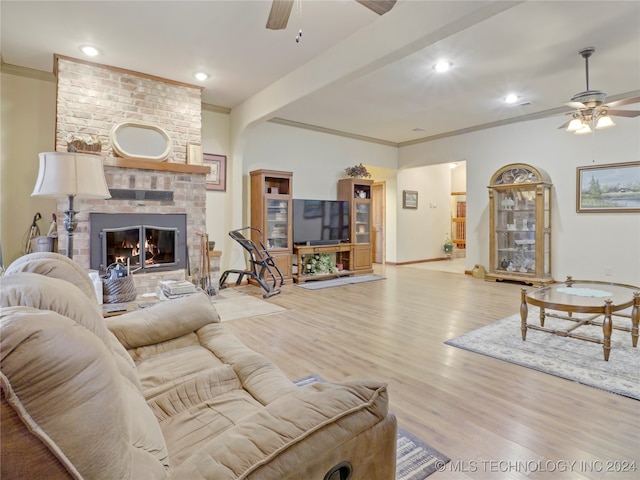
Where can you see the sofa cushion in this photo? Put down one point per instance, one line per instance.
(143, 434)
(61, 382)
(51, 293)
(54, 265)
(276, 439)
(48, 293)
(164, 321)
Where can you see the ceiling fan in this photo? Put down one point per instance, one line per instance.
(281, 10)
(592, 112)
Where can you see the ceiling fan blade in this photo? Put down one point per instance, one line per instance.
(624, 113)
(624, 101)
(564, 125)
(576, 105)
(379, 6)
(279, 14)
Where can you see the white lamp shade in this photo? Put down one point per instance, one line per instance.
(605, 122)
(585, 129)
(71, 174)
(574, 125)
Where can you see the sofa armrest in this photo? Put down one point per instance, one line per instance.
(164, 321)
(303, 435)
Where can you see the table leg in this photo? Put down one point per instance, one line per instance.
(607, 325)
(635, 317)
(524, 312)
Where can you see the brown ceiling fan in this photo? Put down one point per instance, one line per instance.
(591, 111)
(281, 10)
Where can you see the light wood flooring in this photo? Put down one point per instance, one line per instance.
(494, 419)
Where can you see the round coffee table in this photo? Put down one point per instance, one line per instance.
(600, 299)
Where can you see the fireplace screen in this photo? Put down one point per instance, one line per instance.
(146, 246)
(128, 239)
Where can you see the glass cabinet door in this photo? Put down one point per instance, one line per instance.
(547, 232)
(277, 233)
(515, 241)
(363, 222)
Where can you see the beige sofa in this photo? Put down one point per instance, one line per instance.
(164, 392)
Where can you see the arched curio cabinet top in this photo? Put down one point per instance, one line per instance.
(519, 173)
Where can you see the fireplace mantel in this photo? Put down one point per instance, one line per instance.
(161, 166)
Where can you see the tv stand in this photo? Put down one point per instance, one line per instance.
(343, 252)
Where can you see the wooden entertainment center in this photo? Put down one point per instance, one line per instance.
(344, 256)
(271, 213)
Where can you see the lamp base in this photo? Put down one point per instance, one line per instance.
(70, 224)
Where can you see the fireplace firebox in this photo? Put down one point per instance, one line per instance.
(145, 242)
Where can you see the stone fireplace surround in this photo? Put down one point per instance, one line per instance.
(90, 99)
(186, 182)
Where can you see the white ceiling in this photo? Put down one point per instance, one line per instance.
(530, 48)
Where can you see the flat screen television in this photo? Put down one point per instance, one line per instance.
(320, 222)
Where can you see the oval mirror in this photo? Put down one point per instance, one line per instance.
(140, 141)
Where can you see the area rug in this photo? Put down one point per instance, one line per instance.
(577, 360)
(338, 282)
(415, 460)
(232, 305)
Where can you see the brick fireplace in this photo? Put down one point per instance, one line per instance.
(91, 100)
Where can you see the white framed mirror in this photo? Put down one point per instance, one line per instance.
(140, 141)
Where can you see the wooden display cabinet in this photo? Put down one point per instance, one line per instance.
(357, 192)
(520, 225)
(271, 194)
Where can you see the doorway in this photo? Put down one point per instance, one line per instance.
(378, 208)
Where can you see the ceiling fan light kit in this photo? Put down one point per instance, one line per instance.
(591, 112)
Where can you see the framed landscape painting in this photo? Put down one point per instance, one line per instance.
(608, 188)
(217, 177)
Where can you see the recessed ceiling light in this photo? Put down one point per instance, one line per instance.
(442, 66)
(201, 76)
(90, 51)
(511, 98)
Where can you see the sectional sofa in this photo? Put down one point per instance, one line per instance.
(165, 392)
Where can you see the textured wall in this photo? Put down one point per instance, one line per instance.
(91, 99)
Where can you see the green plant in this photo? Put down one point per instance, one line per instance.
(448, 244)
(319, 264)
(357, 171)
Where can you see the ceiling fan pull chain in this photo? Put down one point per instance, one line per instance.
(299, 8)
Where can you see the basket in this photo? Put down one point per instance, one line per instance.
(83, 147)
(118, 290)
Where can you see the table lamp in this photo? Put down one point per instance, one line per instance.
(70, 175)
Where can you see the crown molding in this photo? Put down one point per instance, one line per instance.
(27, 72)
(215, 108)
(306, 126)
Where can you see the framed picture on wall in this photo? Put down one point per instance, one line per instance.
(217, 177)
(194, 154)
(608, 188)
(409, 199)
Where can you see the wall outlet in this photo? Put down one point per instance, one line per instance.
(608, 271)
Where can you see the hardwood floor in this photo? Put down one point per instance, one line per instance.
(494, 419)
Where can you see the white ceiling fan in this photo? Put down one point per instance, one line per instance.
(591, 111)
(281, 10)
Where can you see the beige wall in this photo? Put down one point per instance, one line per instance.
(28, 128)
(582, 243)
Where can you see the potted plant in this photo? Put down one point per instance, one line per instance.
(357, 171)
(448, 244)
(319, 264)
